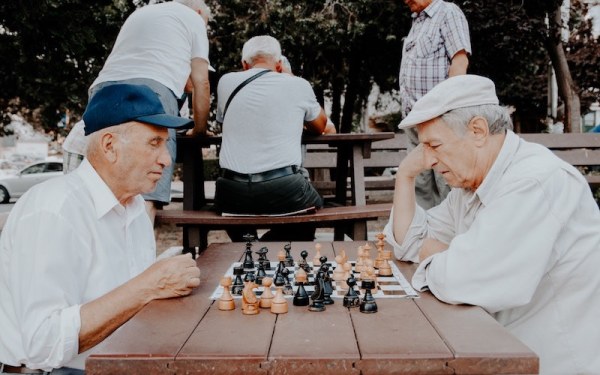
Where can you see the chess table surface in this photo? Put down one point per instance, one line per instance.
(415, 335)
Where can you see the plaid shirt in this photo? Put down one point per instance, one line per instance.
(437, 34)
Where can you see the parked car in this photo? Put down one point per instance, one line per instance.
(14, 185)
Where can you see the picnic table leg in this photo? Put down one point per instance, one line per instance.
(341, 174)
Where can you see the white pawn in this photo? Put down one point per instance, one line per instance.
(317, 257)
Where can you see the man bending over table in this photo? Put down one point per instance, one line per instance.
(519, 233)
(77, 252)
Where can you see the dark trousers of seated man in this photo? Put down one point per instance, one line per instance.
(276, 196)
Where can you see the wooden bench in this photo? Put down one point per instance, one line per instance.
(581, 150)
(349, 220)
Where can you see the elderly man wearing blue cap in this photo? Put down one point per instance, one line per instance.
(517, 235)
(77, 254)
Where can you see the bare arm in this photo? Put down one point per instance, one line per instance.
(459, 64)
(201, 96)
(168, 278)
(317, 126)
(431, 246)
(404, 191)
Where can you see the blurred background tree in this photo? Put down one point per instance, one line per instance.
(51, 51)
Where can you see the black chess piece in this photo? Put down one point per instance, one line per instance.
(248, 261)
(323, 260)
(327, 285)
(262, 258)
(238, 284)
(301, 297)
(351, 298)
(303, 263)
(279, 278)
(318, 296)
(287, 288)
(260, 273)
(289, 261)
(368, 304)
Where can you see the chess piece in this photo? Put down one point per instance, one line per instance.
(249, 300)
(262, 258)
(289, 261)
(316, 261)
(238, 284)
(339, 272)
(301, 297)
(267, 295)
(368, 304)
(327, 285)
(287, 287)
(385, 269)
(351, 298)
(248, 263)
(281, 264)
(279, 304)
(303, 263)
(318, 294)
(260, 273)
(379, 259)
(226, 302)
(360, 260)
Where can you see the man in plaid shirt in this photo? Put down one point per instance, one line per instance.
(437, 47)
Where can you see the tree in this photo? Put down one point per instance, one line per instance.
(50, 52)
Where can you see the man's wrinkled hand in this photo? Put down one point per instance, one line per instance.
(173, 277)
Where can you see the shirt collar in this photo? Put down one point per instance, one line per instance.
(503, 160)
(430, 10)
(104, 199)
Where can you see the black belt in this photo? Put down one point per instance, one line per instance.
(20, 370)
(260, 177)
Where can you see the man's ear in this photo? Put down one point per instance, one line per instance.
(479, 129)
(245, 65)
(279, 66)
(109, 147)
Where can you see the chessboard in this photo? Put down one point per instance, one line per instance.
(394, 286)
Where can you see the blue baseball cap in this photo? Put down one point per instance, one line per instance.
(121, 103)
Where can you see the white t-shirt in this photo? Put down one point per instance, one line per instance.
(263, 126)
(67, 241)
(525, 246)
(158, 42)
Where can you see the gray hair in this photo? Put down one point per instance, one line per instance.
(196, 5)
(262, 46)
(497, 117)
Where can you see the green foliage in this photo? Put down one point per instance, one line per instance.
(51, 50)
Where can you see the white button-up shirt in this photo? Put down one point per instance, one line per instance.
(525, 246)
(66, 242)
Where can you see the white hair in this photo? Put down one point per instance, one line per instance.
(196, 5)
(263, 46)
(497, 117)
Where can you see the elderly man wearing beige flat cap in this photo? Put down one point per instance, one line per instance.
(518, 234)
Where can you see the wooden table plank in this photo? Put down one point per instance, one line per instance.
(401, 341)
(479, 343)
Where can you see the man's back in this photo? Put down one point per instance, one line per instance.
(158, 42)
(263, 125)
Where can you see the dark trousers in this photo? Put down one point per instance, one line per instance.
(277, 196)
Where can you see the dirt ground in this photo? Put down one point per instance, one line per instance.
(169, 235)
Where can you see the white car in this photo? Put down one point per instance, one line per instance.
(13, 185)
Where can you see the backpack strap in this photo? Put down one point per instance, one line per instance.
(241, 85)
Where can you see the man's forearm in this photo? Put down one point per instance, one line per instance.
(404, 206)
(201, 107)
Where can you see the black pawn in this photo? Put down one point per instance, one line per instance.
(260, 273)
(238, 284)
(303, 263)
(301, 297)
(287, 288)
(368, 304)
(351, 298)
(317, 296)
(289, 261)
(327, 285)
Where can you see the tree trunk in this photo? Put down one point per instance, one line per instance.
(566, 87)
(351, 94)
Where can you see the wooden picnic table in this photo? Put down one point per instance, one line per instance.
(352, 149)
(406, 335)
